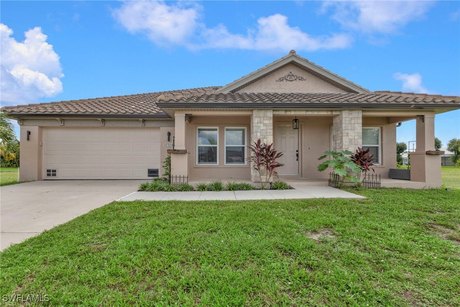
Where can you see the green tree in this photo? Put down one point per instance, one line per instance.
(9, 145)
(400, 148)
(454, 146)
(437, 144)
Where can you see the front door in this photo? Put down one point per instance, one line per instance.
(287, 141)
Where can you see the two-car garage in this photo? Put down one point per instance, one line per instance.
(100, 153)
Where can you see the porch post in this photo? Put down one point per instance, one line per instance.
(179, 155)
(347, 130)
(261, 128)
(425, 167)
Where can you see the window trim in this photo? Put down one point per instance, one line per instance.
(245, 146)
(197, 146)
(379, 146)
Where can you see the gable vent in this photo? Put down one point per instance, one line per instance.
(50, 173)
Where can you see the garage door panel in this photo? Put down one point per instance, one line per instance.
(101, 153)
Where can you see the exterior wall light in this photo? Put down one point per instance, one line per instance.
(295, 123)
(28, 135)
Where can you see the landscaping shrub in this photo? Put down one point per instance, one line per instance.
(202, 187)
(183, 187)
(215, 186)
(239, 186)
(280, 185)
(157, 185)
(265, 161)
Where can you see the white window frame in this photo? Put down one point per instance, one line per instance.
(245, 146)
(379, 162)
(197, 146)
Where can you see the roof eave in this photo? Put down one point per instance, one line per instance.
(67, 115)
(235, 105)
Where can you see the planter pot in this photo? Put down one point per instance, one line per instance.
(401, 174)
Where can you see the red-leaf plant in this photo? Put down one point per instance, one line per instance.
(264, 158)
(364, 159)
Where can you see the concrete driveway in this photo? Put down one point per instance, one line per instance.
(28, 209)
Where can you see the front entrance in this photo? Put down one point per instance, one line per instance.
(287, 141)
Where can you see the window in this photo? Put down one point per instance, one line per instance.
(371, 141)
(235, 146)
(207, 145)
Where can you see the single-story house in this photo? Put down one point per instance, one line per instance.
(447, 159)
(301, 107)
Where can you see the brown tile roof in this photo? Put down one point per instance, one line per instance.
(140, 105)
(151, 104)
(307, 100)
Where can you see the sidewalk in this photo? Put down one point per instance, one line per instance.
(300, 191)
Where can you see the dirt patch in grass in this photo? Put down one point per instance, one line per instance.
(321, 234)
(411, 298)
(445, 233)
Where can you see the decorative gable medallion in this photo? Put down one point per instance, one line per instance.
(290, 77)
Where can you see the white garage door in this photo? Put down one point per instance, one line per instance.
(100, 153)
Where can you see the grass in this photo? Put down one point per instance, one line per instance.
(8, 175)
(451, 176)
(397, 247)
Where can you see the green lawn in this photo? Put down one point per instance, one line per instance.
(451, 176)
(8, 175)
(398, 247)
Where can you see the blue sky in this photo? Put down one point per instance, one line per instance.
(88, 49)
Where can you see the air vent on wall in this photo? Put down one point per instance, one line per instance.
(152, 172)
(50, 173)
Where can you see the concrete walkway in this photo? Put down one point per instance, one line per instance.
(300, 191)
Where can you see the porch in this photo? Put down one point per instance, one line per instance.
(214, 145)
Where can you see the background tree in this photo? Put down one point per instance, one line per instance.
(454, 146)
(9, 145)
(437, 144)
(401, 147)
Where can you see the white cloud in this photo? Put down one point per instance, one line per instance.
(180, 25)
(272, 33)
(375, 15)
(411, 82)
(30, 69)
(162, 23)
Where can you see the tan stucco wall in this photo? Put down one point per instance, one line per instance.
(165, 144)
(312, 83)
(31, 154)
(425, 168)
(220, 171)
(388, 134)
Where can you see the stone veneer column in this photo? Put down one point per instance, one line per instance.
(261, 128)
(347, 130)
